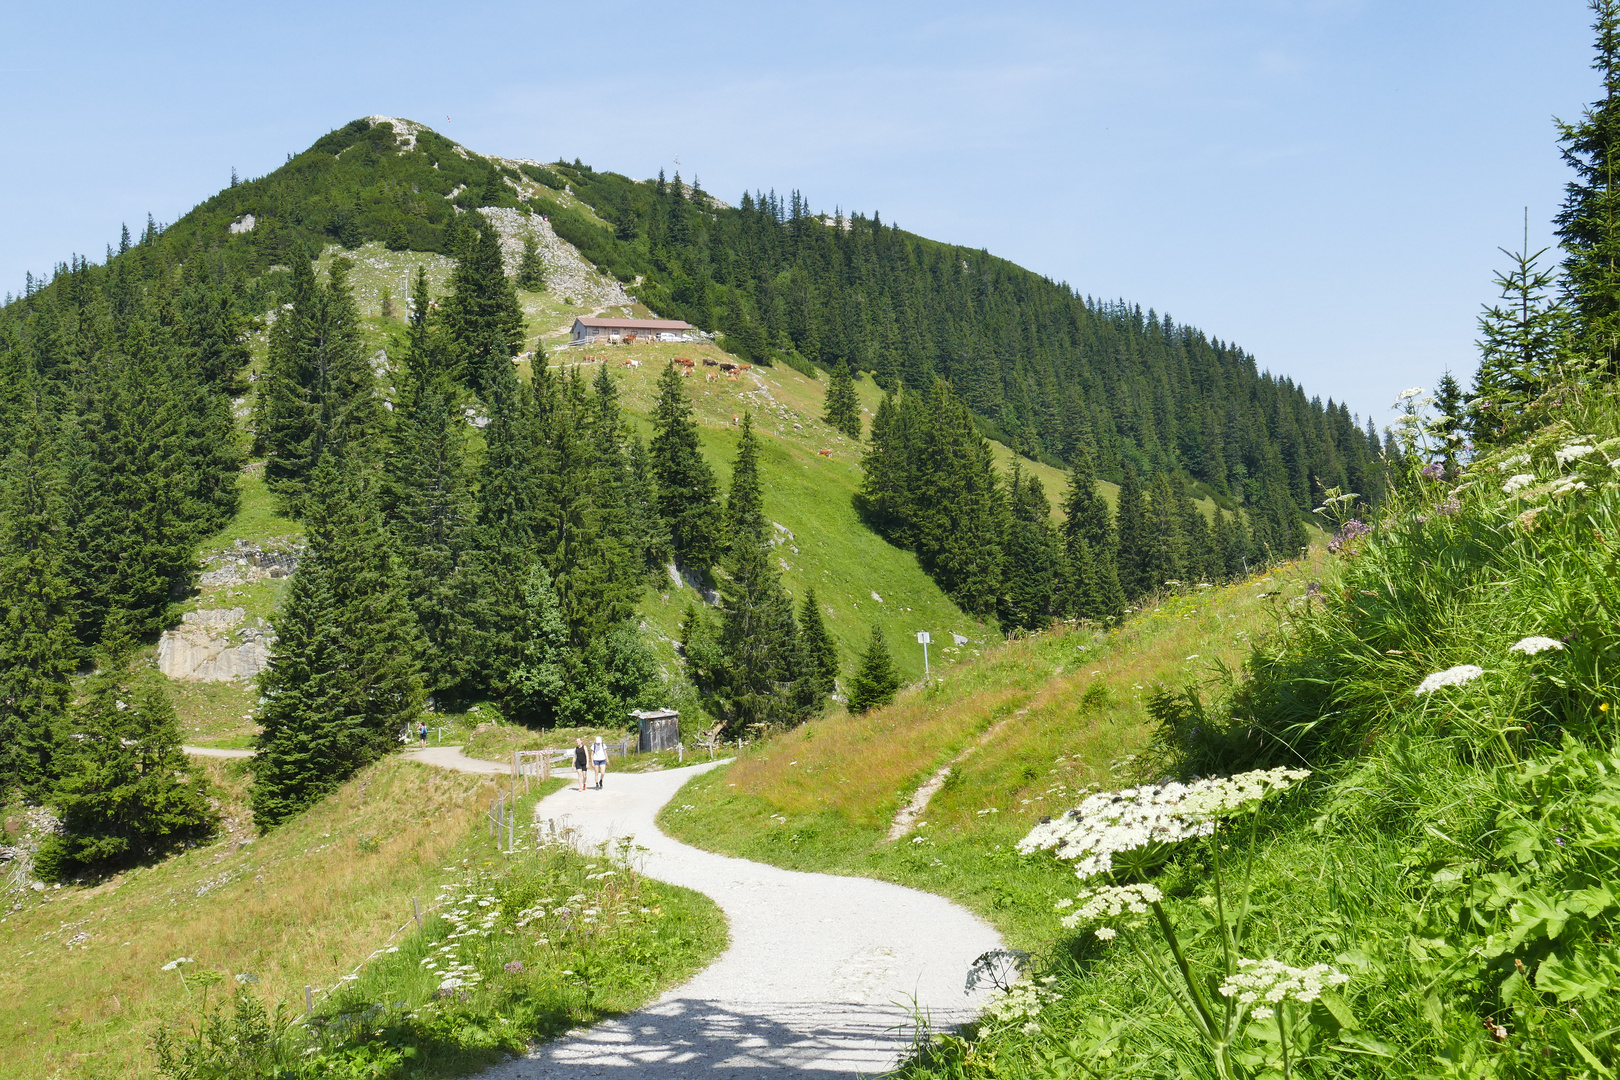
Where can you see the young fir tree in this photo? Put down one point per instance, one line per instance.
(1521, 337)
(688, 497)
(127, 791)
(1135, 538)
(820, 653)
(431, 501)
(843, 407)
(1589, 221)
(1030, 552)
(531, 271)
(343, 681)
(1091, 579)
(889, 485)
(876, 680)
(1451, 421)
(36, 639)
(482, 321)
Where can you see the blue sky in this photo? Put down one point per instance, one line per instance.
(1324, 182)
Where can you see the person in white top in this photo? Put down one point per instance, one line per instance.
(599, 760)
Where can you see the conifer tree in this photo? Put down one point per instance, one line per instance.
(843, 407)
(343, 682)
(1167, 547)
(1589, 221)
(688, 497)
(482, 320)
(431, 502)
(531, 271)
(1030, 552)
(213, 331)
(958, 509)
(645, 525)
(1449, 425)
(876, 680)
(318, 395)
(127, 791)
(538, 681)
(1135, 539)
(820, 653)
(1091, 578)
(1520, 341)
(36, 641)
(766, 679)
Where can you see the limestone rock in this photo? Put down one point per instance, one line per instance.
(207, 647)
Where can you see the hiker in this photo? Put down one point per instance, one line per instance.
(579, 761)
(423, 734)
(599, 760)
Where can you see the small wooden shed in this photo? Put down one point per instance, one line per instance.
(660, 729)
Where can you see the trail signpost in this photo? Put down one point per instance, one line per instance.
(924, 640)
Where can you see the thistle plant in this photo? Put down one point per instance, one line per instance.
(1120, 834)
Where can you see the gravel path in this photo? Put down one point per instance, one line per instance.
(819, 979)
(445, 757)
(209, 751)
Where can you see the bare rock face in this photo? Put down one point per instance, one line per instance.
(208, 647)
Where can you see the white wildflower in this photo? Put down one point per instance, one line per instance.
(1514, 462)
(1532, 645)
(1568, 485)
(1263, 1013)
(1452, 676)
(1106, 933)
(1276, 982)
(1408, 394)
(1113, 822)
(1111, 901)
(1572, 452)
(1515, 482)
(175, 963)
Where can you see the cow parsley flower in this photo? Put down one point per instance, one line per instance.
(1111, 823)
(175, 963)
(1111, 901)
(1532, 645)
(1408, 394)
(1452, 676)
(1572, 452)
(1274, 981)
(1106, 933)
(1517, 481)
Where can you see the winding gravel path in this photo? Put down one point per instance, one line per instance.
(819, 979)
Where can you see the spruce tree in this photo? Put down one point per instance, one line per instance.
(1449, 426)
(213, 332)
(688, 497)
(843, 407)
(36, 641)
(1521, 337)
(876, 680)
(431, 502)
(1167, 544)
(343, 681)
(538, 681)
(1589, 221)
(1030, 552)
(127, 791)
(821, 655)
(958, 509)
(531, 271)
(766, 679)
(1090, 579)
(645, 526)
(1135, 533)
(482, 320)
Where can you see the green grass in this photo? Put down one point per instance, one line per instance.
(1453, 853)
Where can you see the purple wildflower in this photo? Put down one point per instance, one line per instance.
(1434, 470)
(514, 967)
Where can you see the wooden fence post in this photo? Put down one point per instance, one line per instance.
(416, 913)
(309, 1000)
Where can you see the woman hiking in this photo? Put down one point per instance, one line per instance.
(579, 761)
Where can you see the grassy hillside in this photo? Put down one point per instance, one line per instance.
(83, 988)
(1023, 728)
(1450, 683)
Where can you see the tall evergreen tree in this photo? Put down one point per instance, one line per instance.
(127, 791)
(1589, 221)
(688, 497)
(36, 641)
(343, 681)
(648, 531)
(318, 395)
(1031, 555)
(482, 320)
(1451, 422)
(1091, 578)
(213, 330)
(876, 680)
(431, 502)
(843, 409)
(1135, 531)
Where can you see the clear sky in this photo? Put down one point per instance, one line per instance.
(1324, 182)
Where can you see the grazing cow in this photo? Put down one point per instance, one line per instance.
(710, 376)
(825, 453)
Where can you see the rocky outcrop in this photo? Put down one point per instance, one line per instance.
(208, 646)
(245, 562)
